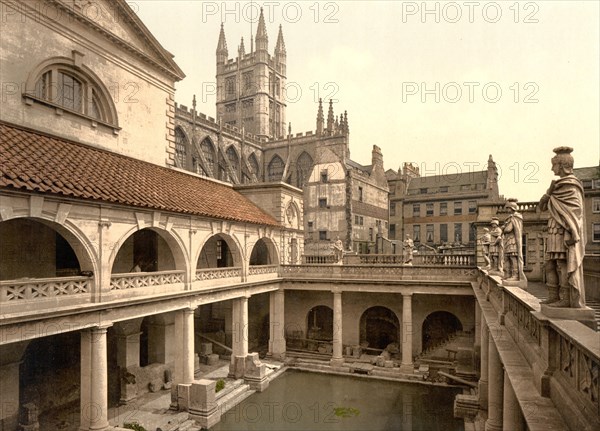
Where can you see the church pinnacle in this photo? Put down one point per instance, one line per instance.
(320, 118)
(280, 46)
(242, 49)
(330, 118)
(262, 40)
(222, 47)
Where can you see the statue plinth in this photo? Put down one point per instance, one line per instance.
(516, 283)
(584, 315)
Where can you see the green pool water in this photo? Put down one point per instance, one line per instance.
(309, 401)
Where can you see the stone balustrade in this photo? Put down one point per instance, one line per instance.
(43, 288)
(263, 269)
(136, 280)
(218, 273)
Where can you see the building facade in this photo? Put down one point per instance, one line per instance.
(439, 210)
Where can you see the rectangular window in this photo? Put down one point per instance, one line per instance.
(416, 210)
(444, 232)
(392, 208)
(596, 232)
(322, 202)
(472, 207)
(429, 229)
(457, 208)
(596, 183)
(416, 232)
(423, 191)
(322, 235)
(310, 225)
(444, 189)
(324, 176)
(596, 205)
(360, 194)
(219, 249)
(458, 232)
(465, 187)
(362, 220)
(370, 234)
(392, 231)
(472, 233)
(443, 208)
(429, 210)
(355, 219)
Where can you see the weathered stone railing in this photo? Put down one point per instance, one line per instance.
(379, 272)
(137, 280)
(418, 259)
(319, 260)
(263, 269)
(12, 291)
(563, 355)
(217, 273)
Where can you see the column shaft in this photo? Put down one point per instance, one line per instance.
(94, 379)
(277, 324)
(495, 389)
(188, 345)
(483, 378)
(337, 358)
(407, 365)
(512, 416)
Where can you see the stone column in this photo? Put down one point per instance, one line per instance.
(277, 324)
(407, 365)
(477, 343)
(239, 337)
(337, 359)
(188, 345)
(10, 361)
(94, 379)
(495, 389)
(512, 416)
(483, 378)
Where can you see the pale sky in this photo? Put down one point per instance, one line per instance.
(482, 60)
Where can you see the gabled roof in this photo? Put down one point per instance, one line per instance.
(355, 165)
(30, 161)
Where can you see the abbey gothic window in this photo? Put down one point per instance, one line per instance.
(303, 169)
(275, 169)
(208, 151)
(181, 144)
(233, 158)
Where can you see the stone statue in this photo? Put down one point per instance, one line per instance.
(565, 245)
(486, 239)
(496, 252)
(408, 246)
(512, 231)
(338, 249)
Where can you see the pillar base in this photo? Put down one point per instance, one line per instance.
(237, 367)
(255, 373)
(584, 315)
(203, 407)
(407, 368)
(493, 426)
(336, 362)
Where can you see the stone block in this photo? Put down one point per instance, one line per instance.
(237, 366)
(156, 385)
(388, 364)
(183, 396)
(206, 349)
(584, 315)
(203, 406)
(212, 359)
(255, 373)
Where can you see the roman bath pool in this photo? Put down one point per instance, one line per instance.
(299, 400)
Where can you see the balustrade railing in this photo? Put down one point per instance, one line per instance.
(418, 259)
(217, 273)
(43, 288)
(319, 260)
(263, 269)
(136, 280)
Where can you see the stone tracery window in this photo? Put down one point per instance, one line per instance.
(253, 163)
(233, 158)
(181, 144)
(275, 169)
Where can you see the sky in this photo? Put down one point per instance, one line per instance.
(439, 84)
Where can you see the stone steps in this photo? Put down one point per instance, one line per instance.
(595, 305)
(234, 397)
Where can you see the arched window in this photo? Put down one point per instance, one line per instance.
(303, 169)
(73, 89)
(233, 158)
(181, 144)
(253, 164)
(275, 169)
(208, 151)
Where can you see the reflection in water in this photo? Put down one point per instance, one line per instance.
(309, 401)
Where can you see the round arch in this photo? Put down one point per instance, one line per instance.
(173, 243)
(319, 323)
(264, 252)
(76, 240)
(379, 327)
(207, 256)
(83, 72)
(438, 327)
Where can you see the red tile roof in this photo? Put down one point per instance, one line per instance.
(35, 162)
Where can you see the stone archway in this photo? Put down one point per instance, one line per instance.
(379, 327)
(438, 327)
